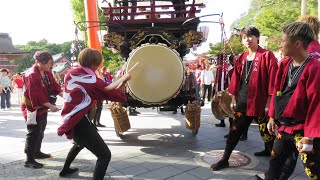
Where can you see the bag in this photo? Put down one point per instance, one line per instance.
(6, 89)
(31, 117)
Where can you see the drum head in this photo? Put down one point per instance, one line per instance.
(159, 75)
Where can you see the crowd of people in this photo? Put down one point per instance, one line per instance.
(282, 96)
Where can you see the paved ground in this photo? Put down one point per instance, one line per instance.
(158, 146)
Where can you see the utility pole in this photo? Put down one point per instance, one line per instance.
(319, 9)
(304, 7)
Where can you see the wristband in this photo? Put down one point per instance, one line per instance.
(305, 147)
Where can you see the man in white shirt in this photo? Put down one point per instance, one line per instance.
(207, 80)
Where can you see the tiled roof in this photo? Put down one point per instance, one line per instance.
(61, 67)
(6, 46)
(57, 57)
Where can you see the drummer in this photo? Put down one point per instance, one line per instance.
(251, 87)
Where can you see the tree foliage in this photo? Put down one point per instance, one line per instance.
(234, 42)
(32, 46)
(270, 15)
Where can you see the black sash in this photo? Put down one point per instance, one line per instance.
(280, 105)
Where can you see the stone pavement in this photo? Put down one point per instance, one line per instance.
(158, 146)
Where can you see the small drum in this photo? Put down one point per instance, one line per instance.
(215, 106)
(225, 103)
(159, 75)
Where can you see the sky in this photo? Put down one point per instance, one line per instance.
(33, 20)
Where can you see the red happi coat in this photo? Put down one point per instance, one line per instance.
(314, 47)
(304, 104)
(261, 82)
(36, 91)
(82, 88)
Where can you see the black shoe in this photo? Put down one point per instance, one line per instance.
(100, 125)
(68, 171)
(135, 111)
(219, 165)
(263, 153)
(33, 164)
(243, 138)
(226, 136)
(183, 113)
(42, 155)
(221, 125)
(132, 114)
(174, 112)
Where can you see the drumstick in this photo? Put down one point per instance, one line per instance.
(133, 67)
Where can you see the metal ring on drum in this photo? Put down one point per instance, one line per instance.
(160, 74)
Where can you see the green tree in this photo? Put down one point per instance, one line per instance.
(79, 16)
(270, 15)
(32, 46)
(234, 42)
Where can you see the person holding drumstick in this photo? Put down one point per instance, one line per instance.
(82, 87)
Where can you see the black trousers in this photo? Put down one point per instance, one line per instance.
(85, 135)
(35, 135)
(205, 88)
(240, 126)
(284, 148)
(5, 99)
(97, 116)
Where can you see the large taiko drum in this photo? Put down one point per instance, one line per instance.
(159, 75)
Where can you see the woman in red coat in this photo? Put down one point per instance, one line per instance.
(40, 90)
(82, 88)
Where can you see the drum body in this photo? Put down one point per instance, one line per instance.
(159, 76)
(226, 100)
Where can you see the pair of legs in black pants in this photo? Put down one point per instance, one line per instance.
(243, 137)
(34, 140)
(85, 135)
(285, 151)
(96, 120)
(205, 88)
(240, 124)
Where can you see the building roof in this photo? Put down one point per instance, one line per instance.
(6, 46)
(61, 67)
(58, 57)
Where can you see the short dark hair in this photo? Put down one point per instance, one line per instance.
(4, 70)
(42, 56)
(104, 68)
(249, 31)
(90, 58)
(299, 31)
(220, 56)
